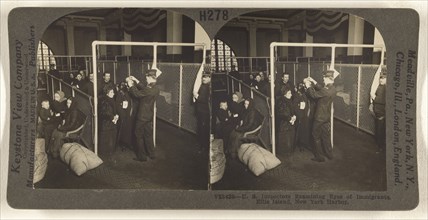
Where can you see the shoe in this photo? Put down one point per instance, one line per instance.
(318, 159)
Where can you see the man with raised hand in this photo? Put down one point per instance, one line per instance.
(324, 96)
(147, 94)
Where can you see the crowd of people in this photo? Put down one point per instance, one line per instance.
(125, 113)
(303, 114)
(302, 119)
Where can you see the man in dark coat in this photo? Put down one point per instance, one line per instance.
(379, 112)
(203, 111)
(147, 95)
(265, 88)
(88, 86)
(54, 72)
(324, 96)
(284, 85)
(106, 82)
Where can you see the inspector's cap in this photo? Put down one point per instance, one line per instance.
(206, 74)
(329, 74)
(151, 73)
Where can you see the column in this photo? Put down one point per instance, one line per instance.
(308, 51)
(284, 38)
(69, 27)
(355, 35)
(252, 36)
(126, 50)
(174, 32)
(102, 37)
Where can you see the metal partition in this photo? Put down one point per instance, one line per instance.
(120, 69)
(306, 69)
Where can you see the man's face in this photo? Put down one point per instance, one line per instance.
(285, 78)
(258, 78)
(235, 98)
(69, 103)
(107, 77)
(79, 77)
(327, 80)
(206, 79)
(45, 104)
(246, 104)
(150, 79)
(223, 105)
(57, 97)
(382, 81)
(91, 77)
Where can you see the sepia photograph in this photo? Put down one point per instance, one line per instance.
(152, 107)
(123, 101)
(299, 102)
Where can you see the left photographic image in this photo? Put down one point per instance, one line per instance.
(123, 101)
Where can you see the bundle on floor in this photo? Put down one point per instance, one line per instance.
(258, 159)
(40, 160)
(218, 160)
(79, 158)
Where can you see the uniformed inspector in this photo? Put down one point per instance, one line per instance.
(324, 96)
(147, 95)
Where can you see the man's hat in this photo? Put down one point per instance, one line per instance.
(151, 73)
(331, 73)
(328, 73)
(206, 74)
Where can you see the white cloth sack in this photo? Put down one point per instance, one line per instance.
(258, 159)
(40, 160)
(79, 158)
(217, 161)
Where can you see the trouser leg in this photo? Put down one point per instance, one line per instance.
(139, 134)
(380, 132)
(204, 130)
(316, 133)
(326, 140)
(148, 139)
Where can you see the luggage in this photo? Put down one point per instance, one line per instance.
(40, 160)
(258, 159)
(79, 158)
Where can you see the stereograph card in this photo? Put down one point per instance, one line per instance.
(213, 108)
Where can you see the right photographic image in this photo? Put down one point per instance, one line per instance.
(298, 103)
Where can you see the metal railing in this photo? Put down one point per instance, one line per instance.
(275, 45)
(261, 103)
(84, 104)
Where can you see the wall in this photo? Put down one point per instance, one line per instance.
(264, 38)
(83, 38)
(54, 37)
(236, 38)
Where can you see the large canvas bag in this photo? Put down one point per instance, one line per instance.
(79, 158)
(258, 159)
(40, 160)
